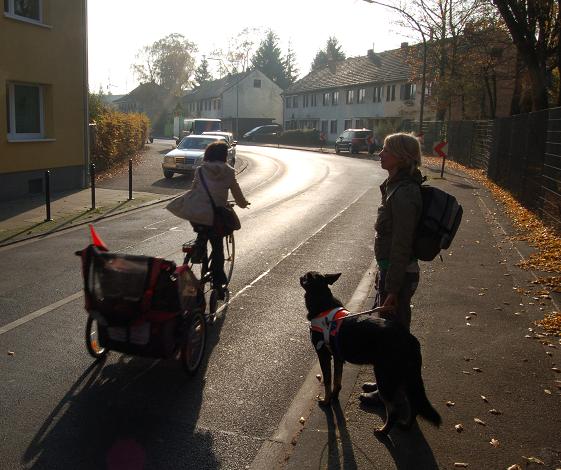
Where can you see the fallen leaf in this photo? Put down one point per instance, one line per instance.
(302, 420)
(318, 376)
(480, 421)
(450, 403)
(461, 465)
(514, 467)
(547, 391)
(477, 369)
(468, 324)
(495, 412)
(459, 427)
(484, 398)
(466, 372)
(556, 369)
(468, 317)
(534, 460)
(494, 442)
(11, 353)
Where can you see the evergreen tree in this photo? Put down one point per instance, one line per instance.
(202, 73)
(268, 59)
(290, 69)
(332, 51)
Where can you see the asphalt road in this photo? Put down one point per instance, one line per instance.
(59, 410)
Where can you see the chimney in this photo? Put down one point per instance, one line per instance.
(404, 45)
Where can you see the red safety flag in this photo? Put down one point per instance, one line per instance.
(96, 239)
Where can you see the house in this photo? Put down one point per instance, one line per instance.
(151, 99)
(242, 101)
(109, 100)
(43, 96)
(372, 91)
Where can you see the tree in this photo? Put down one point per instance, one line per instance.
(290, 68)
(168, 62)
(535, 27)
(202, 73)
(236, 58)
(331, 52)
(268, 59)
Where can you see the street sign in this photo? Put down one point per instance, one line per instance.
(441, 149)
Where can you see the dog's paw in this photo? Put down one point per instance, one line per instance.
(326, 401)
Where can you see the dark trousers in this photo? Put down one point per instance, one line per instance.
(204, 235)
(408, 288)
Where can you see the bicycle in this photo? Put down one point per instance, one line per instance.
(192, 257)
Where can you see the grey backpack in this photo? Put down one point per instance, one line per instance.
(439, 222)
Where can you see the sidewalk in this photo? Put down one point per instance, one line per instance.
(21, 219)
(483, 359)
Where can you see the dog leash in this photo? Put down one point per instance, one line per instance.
(373, 310)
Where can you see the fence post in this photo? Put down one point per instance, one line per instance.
(48, 195)
(130, 179)
(92, 181)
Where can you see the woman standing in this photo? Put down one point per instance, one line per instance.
(219, 178)
(398, 217)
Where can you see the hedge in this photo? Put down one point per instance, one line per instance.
(117, 136)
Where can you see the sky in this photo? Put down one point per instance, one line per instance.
(118, 29)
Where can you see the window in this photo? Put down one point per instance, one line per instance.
(359, 123)
(325, 99)
(288, 101)
(390, 93)
(256, 83)
(305, 101)
(407, 91)
(218, 103)
(324, 125)
(333, 127)
(361, 95)
(350, 96)
(29, 9)
(25, 111)
(377, 95)
(294, 101)
(335, 98)
(314, 99)
(348, 123)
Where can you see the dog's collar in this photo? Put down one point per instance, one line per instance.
(327, 324)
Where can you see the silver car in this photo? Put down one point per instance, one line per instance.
(188, 155)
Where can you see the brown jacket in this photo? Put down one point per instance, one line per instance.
(398, 217)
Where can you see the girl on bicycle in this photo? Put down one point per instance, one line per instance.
(219, 178)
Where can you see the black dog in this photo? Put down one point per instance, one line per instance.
(388, 345)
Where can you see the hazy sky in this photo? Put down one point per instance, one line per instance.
(117, 29)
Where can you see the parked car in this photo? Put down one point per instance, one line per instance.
(261, 133)
(353, 140)
(229, 138)
(188, 155)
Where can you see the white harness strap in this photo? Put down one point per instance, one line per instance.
(323, 323)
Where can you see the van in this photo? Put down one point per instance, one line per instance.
(198, 126)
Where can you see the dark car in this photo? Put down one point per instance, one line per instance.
(353, 140)
(262, 133)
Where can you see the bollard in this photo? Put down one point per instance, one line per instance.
(92, 181)
(48, 195)
(130, 179)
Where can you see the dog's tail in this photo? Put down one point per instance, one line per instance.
(416, 390)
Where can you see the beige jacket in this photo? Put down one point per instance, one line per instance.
(220, 178)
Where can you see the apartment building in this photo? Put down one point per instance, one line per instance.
(43, 92)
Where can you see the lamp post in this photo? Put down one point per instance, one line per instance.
(237, 93)
(423, 80)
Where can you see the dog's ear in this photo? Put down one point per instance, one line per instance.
(331, 278)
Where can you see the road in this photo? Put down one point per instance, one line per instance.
(59, 410)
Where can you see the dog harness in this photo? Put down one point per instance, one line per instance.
(328, 323)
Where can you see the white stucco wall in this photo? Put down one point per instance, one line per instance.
(246, 101)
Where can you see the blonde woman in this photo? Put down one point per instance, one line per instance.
(398, 216)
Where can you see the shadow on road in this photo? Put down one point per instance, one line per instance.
(134, 413)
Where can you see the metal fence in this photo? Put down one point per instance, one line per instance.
(521, 153)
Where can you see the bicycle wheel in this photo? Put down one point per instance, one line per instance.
(92, 339)
(194, 343)
(229, 256)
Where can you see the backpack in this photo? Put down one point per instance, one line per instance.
(440, 218)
